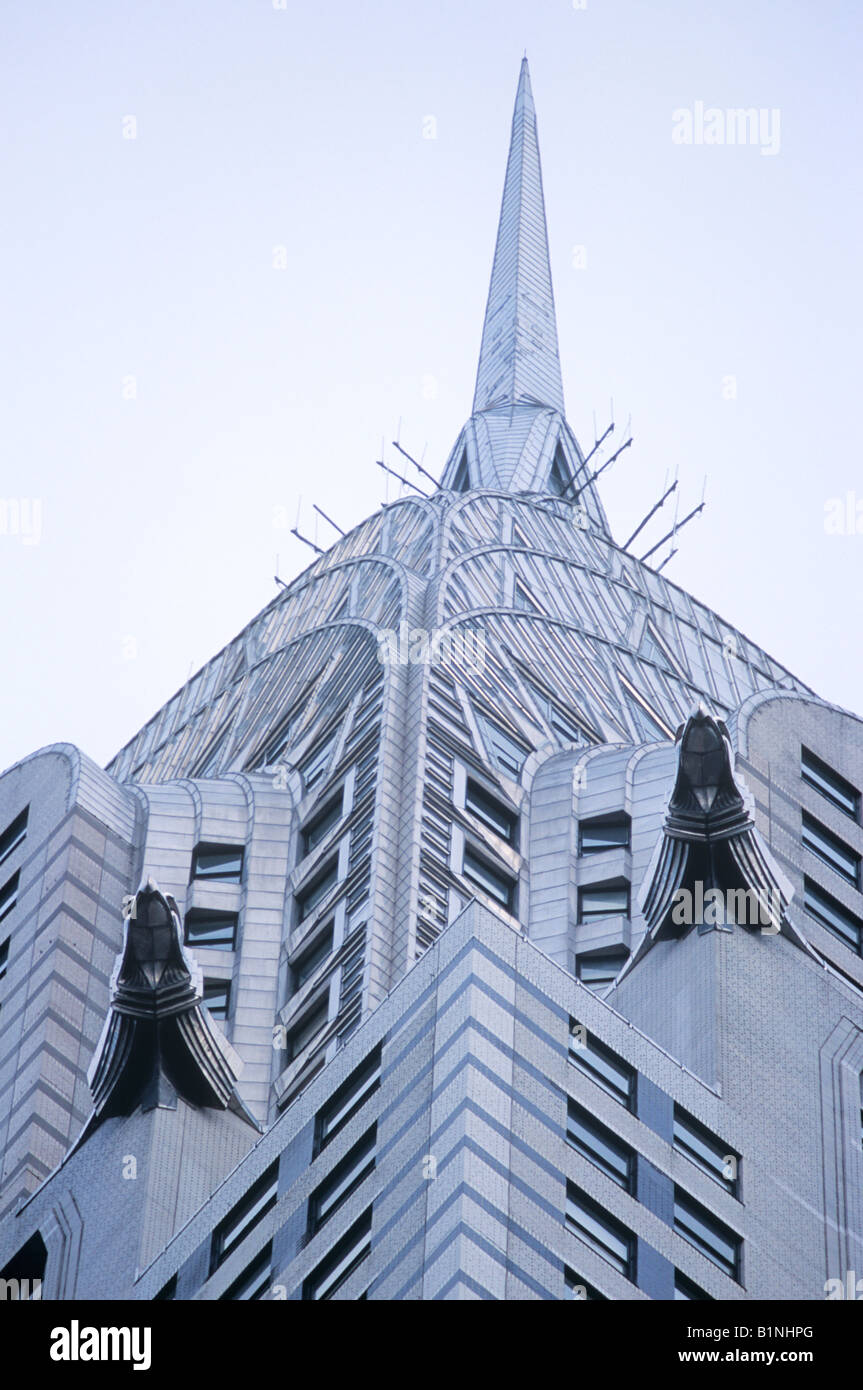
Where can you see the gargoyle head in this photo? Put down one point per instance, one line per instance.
(704, 766)
(152, 937)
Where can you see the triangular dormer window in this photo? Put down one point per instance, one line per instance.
(461, 481)
(523, 599)
(559, 477)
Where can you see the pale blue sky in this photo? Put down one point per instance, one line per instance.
(303, 127)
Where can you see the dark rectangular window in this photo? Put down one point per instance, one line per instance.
(603, 832)
(244, 1216)
(491, 880)
(598, 971)
(306, 963)
(600, 1230)
(593, 1141)
(704, 1149)
(490, 811)
(318, 828)
(217, 997)
(579, 1289)
(594, 1059)
(315, 765)
(338, 1185)
(832, 915)
(8, 896)
(707, 1233)
(315, 891)
(167, 1292)
(686, 1291)
(833, 851)
(312, 1022)
(216, 930)
(603, 900)
(345, 1256)
(4, 956)
(220, 863)
(254, 1281)
(14, 833)
(344, 1103)
(829, 783)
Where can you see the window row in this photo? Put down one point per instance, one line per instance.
(343, 1180)
(477, 867)
(832, 850)
(244, 1216)
(607, 899)
(618, 1160)
(340, 1262)
(14, 834)
(615, 1242)
(326, 1199)
(303, 965)
(581, 1291)
(595, 901)
(618, 1079)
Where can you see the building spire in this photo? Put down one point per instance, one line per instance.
(517, 439)
(519, 360)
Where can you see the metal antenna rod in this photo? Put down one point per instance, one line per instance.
(407, 482)
(676, 527)
(597, 471)
(322, 513)
(597, 444)
(670, 556)
(653, 510)
(586, 460)
(305, 541)
(408, 456)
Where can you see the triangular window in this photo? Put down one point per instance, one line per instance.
(564, 724)
(504, 752)
(522, 599)
(639, 707)
(238, 669)
(212, 758)
(650, 649)
(316, 763)
(559, 477)
(274, 747)
(461, 481)
(653, 646)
